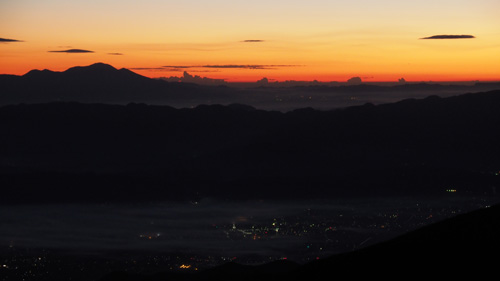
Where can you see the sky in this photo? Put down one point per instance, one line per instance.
(241, 40)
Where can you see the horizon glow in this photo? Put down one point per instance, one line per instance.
(296, 39)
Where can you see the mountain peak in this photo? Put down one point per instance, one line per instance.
(35, 72)
(94, 67)
(101, 65)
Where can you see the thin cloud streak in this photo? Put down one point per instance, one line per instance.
(179, 66)
(253, 41)
(72, 51)
(6, 40)
(230, 66)
(449, 37)
(183, 69)
(147, 68)
(213, 68)
(254, 66)
(115, 54)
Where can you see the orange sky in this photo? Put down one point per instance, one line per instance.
(247, 40)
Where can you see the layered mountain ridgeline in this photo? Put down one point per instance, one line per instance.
(102, 83)
(465, 245)
(70, 152)
(97, 83)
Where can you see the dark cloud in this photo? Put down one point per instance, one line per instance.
(183, 69)
(450, 37)
(148, 68)
(188, 78)
(115, 54)
(263, 81)
(203, 71)
(248, 66)
(253, 41)
(5, 40)
(179, 66)
(72, 51)
(236, 66)
(244, 66)
(354, 81)
(174, 69)
(212, 67)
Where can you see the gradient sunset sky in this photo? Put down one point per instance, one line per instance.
(241, 40)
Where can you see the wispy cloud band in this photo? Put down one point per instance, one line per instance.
(6, 40)
(233, 66)
(214, 68)
(248, 66)
(71, 51)
(449, 37)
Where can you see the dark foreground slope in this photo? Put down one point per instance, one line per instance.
(466, 246)
(67, 152)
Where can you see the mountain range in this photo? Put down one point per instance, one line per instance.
(87, 135)
(413, 147)
(95, 83)
(102, 83)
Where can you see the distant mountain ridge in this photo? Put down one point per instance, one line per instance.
(98, 82)
(101, 72)
(102, 83)
(413, 147)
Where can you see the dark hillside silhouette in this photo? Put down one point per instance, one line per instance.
(96, 152)
(461, 246)
(95, 83)
(458, 247)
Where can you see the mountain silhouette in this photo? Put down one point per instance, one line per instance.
(99, 151)
(413, 147)
(95, 83)
(102, 83)
(465, 245)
